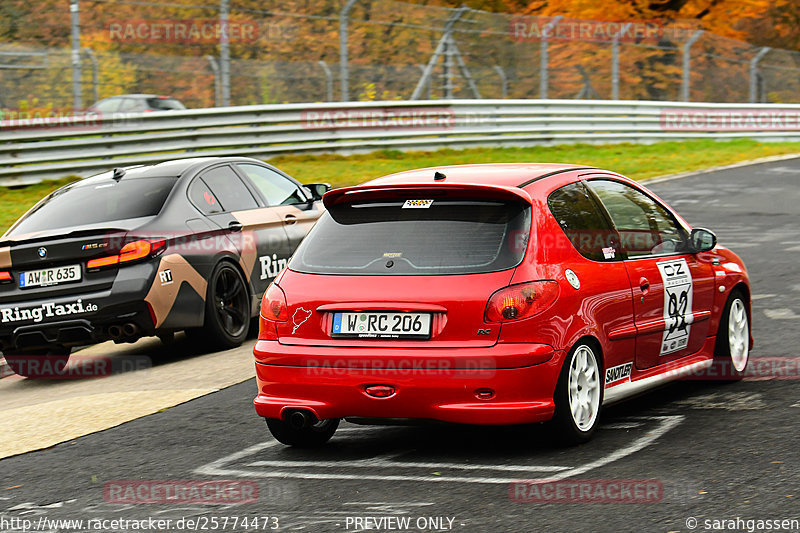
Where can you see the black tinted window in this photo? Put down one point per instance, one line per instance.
(644, 226)
(229, 190)
(96, 201)
(583, 223)
(390, 238)
(203, 199)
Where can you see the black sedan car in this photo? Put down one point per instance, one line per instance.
(189, 245)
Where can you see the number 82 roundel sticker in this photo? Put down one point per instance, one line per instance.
(678, 314)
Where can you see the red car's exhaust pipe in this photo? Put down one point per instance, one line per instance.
(301, 418)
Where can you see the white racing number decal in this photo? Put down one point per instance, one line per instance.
(678, 314)
(618, 373)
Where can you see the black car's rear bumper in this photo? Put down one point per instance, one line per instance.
(74, 320)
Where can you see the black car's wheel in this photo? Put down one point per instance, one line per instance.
(227, 314)
(45, 363)
(307, 436)
(578, 395)
(732, 350)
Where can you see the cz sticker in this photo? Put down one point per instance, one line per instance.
(678, 315)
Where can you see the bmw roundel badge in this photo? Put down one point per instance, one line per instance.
(42, 252)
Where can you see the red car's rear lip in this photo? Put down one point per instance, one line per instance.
(428, 383)
(501, 355)
(375, 190)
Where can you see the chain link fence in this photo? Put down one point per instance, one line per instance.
(291, 51)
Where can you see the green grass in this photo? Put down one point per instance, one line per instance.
(14, 201)
(638, 161)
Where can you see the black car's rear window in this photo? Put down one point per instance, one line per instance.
(97, 201)
(394, 238)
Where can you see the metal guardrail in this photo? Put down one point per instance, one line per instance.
(32, 150)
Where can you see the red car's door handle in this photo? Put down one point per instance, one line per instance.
(644, 285)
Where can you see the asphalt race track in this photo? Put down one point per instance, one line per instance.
(710, 452)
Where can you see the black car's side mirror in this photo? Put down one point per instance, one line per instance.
(317, 190)
(702, 240)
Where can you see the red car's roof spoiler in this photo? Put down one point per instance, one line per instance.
(423, 191)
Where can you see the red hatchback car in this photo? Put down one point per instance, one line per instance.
(494, 294)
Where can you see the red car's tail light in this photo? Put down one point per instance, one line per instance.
(132, 251)
(274, 305)
(521, 301)
(5, 276)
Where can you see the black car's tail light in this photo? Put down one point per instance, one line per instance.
(5, 277)
(521, 301)
(133, 251)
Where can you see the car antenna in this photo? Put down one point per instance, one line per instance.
(118, 173)
(438, 176)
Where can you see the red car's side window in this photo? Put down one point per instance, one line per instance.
(584, 224)
(644, 226)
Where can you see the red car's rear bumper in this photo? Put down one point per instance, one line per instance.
(432, 383)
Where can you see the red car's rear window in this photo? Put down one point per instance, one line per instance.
(416, 237)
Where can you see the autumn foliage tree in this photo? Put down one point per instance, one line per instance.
(388, 41)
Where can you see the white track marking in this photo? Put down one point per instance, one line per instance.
(762, 296)
(401, 504)
(729, 401)
(784, 170)
(399, 464)
(781, 314)
(221, 467)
